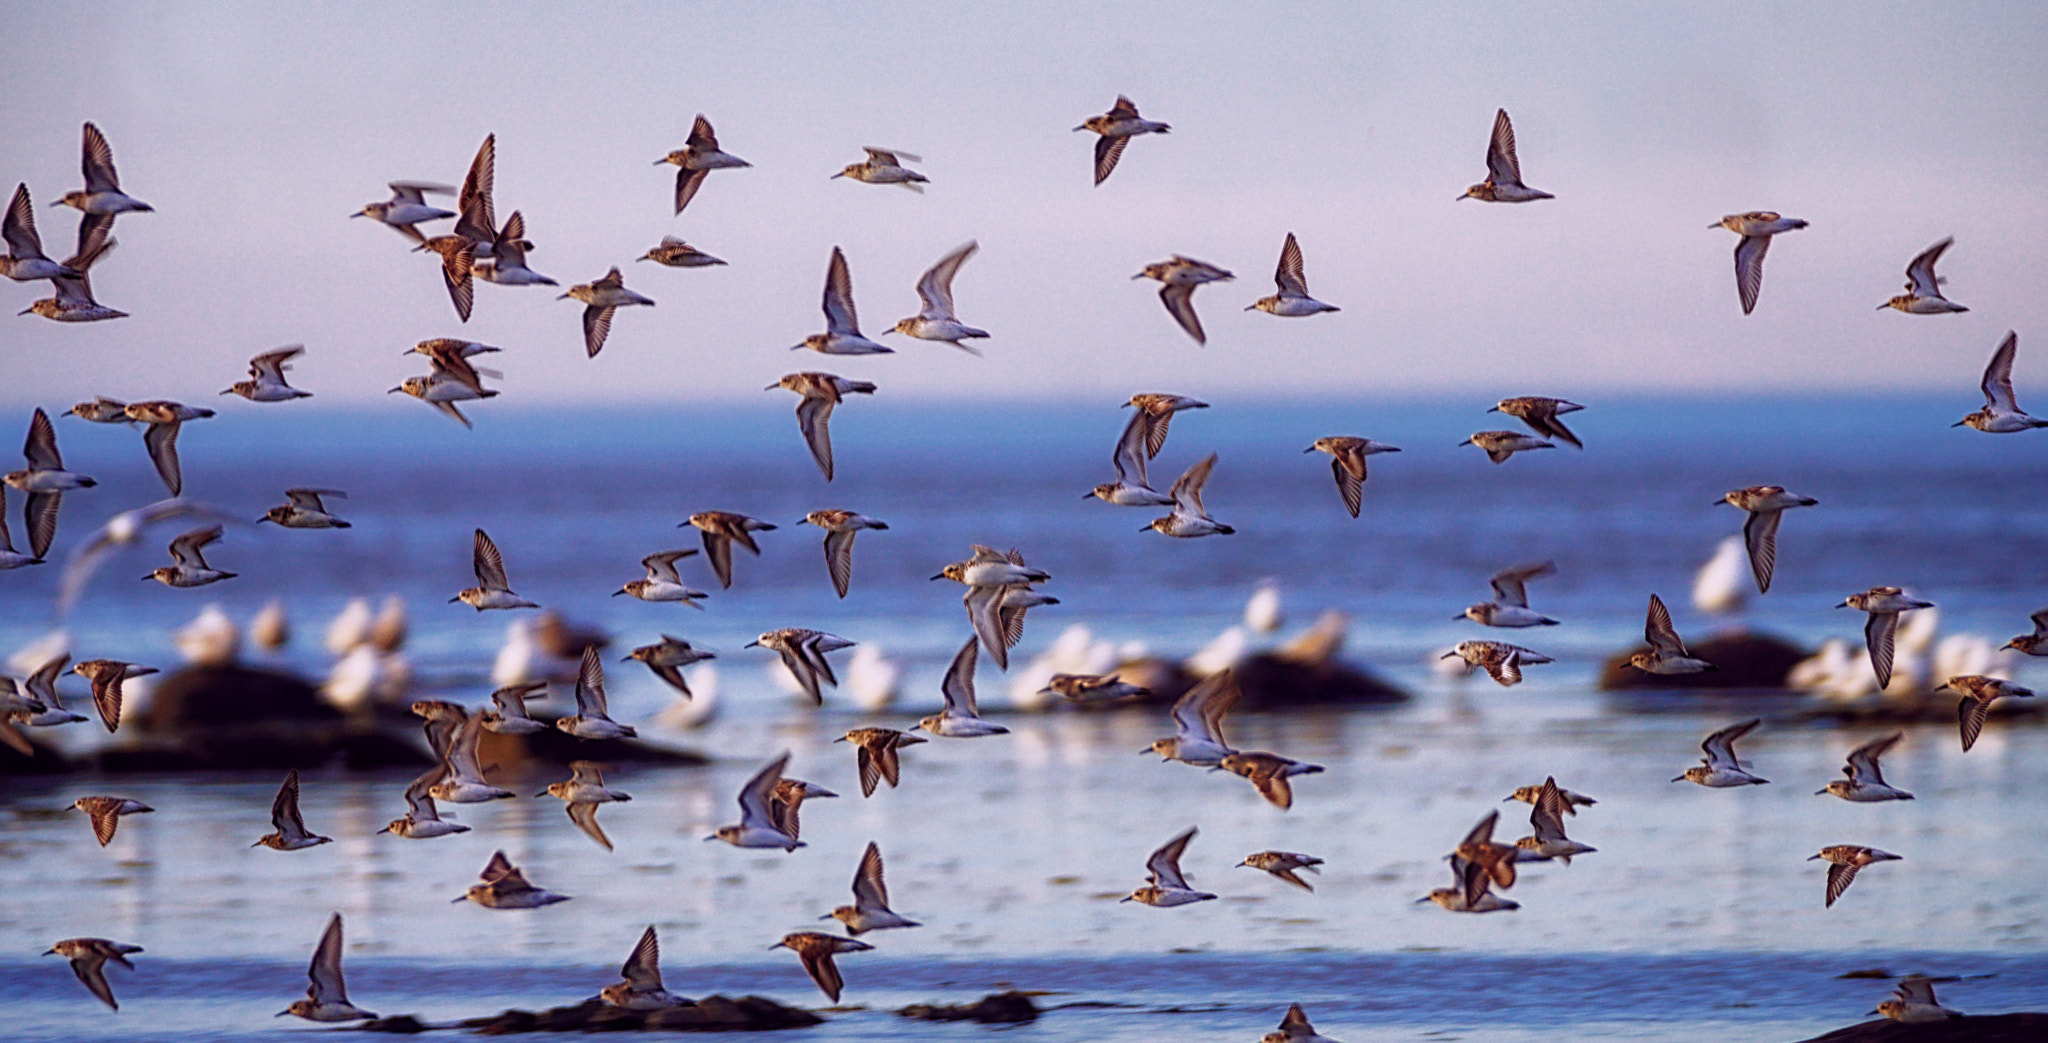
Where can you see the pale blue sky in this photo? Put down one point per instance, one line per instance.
(255, 129)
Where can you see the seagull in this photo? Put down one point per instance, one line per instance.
(1503, 182)
(840, 527)
(45, 481)
(1165, 886)
(1541, 414)
(1764, 503)
(2001, 413)
(667, 659)
(1117, 127)
(582, 794)
(821, 393)
(1923, 287)
(721, 529)
(1502, 661)
(1843, 862)
(803, 654)
(291, 833)
(327, 996)
(106, 813)
(1347, 462)
(591, 721)
(504, 887)
(1133, 487)
(24, 260)
(1283, 864)
(817, 951)
(106, 676)
(1720, 768)
(1978, 693)
(698, 156)
(1865, 783)
(1547, 819)
(935, 319)
(305, 511)
(1500, 445)
(870, 909)
(492, 589)
(876, 756)
(1510, 604)
(507, 266)
(102, 197)
(190, 568)
(1756, 229)
(602, 298)
(1189, 518)
(675, 253)
(161, 436)
(961, 719)
(1179, 277)
(663, 583)
(757, 826)
(89, 957)
(1198, 722)
(641, 989)
(1158, 411)
(885, 167)
(842, 326)
(74, 301)
(408, 207)
(1667, 654)
(1293, 300)
(1268, 773)
(422, 819)
(1884, 605)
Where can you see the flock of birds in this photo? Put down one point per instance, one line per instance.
(1000, 587)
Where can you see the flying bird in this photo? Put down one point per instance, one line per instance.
(1503, 182)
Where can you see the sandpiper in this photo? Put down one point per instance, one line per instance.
(1978, 693)
(1510, 604)
(1165, 886)
(450, 357)
(102, 197)
(106, 813)
(821, 393)
(45, 481)
(492, 589)
(1493, 864)
(89, 957)
(505, 887)
(840, 527)
(1547, 819)
(106, 676)
(1541, 414)
(961, 718)
(663, 583)
(24, 259)
(1268, 773)
(161, 436)
(2036, 643)
(602, 298)
(722, 529)
(2001, 413)
(1760, 532)
(74, 301)
(1471, 890)
(102, 410)
(1502, 661)
(507, 715)
(591, 720)
(476, 217)
(1294, 1028)
(885, 167)
(1913, 1001)
(998, 591)
(582, 794)
(442, 390)
(1133, 487)
(786, 801)
(1293, 300)
(305, 510)
(1667, 654)
(42, 687)
(870, 909)
(1572, 801)
(1720, 768)
(757, 826)
(1158, 410)
(1093, 688)
(1117, 127)
(1843, 862)
(1189, 518)
(935, 319)
(454, 739)
(876, 755)
(1347, 462)
(675, 253)
(327, 996)
(1865, 783)
(422, 819)
(1503, 182)
(190, 568)
(1500, 445)
(817, 951)
(291, 833)
(641, 988)
(1923, 287)
(1756, 229)
(1283, 864)
(1198, 722)
(1884, 605)
(507, 266)
(842, 325)
(667, 658)
(1179, 277)
(803, 654)
(408, 207)
(458, 255)
(699, 156)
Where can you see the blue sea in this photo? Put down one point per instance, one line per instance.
(1699, 914)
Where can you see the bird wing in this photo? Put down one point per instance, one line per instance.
(1164, 864)
(754, 809)
(271, 364)
(1180, 303)
(1107, 151)
(1508, 583)
(1920, 276)
(1187, 489)
(597, 324)
(701, 135)
(106, 696)
(460, 752)
(1720, 746)
(590, 700)
(1350, 484)
(309, 499)
(1548, 817)
(1199, 714)
(39, 517)
(1840, 876)
(162, 442)
(935, 286)
(718, 551)
(1972, 712)
(811, 414)
(1862, 767)
(1760, 532)
(1998, 376)
(19, 227)
(488, 563)
(1879, 634)
(476, 221)
(839, 558)
(958, 686)
(818, 964)
(687, 183)
(643, 964)
(284, 811)
(98, 162)
(585, 817)
(185, 550)
(41, 447)
(869, 890)
(1501, 165)
(1658, 631)
(662, 565)
(456, 273)
(984, 613)
(1289, 276)
(1131, 447)
(1749, 268)
(838, 300)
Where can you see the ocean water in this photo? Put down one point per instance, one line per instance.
(1699, 913)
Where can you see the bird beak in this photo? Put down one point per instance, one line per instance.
(453, 600)
(618, 592)
(394, 391)
(1310, 449)
(1451, 655)
(459, 898)
(1493, 409)
(1883, 306)
(1140, 275)
(26, 311)
(771, 387)
(565, 296)
(1454, 619)
(231, 391)
(840, 174)
(1811, 858)
(827, 916)
(1082, 127)
(51, 952)
(943, 575)
(542, 793)
(1251, 307)
(1844, 604)
(1958, 423)
(1425, 898)
(149, 577)
(280, 1014)
(1820, 793)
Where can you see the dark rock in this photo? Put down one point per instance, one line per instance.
(559, 747)
(1742, 660)
(229, 696)
(1271, 681)
(710, 1014)
(401, 1023)
(42, 759)
(1002, 1008)
(1992, 1028)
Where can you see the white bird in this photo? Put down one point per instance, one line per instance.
(870, 909)
(885, 167)
(591, 721)
(663, 583)
(962, 718)
(1880, 631)
(266, 381)
(1717, 588)
(1765, 503)
(641, 988)
(1198, 722)
(1189, 518)
(1923, 287)
(507, 266)
(1133, 487)
(757, 826)
(1502, 661)
(1865, 783)
(1547, 819)
(1117, 127)
(189, 568)
(422, 820)
(1667, 654)
(327, 996)
(24, 260)
(45, 481)
(699, 156)
(1178, 277)
(582, 795)
(1756, 229)
(408, 207)
(1510, 604)
(454, 739)
(1503, 182)
(2001, 413)
(602, 299)
(935, 318)
(1165, 885)
(803, 653)
(1720, 768)
(1293, 300)
(492, 589)
(842, 324)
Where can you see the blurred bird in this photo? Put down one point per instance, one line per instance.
(935, 319)
(885, 167)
